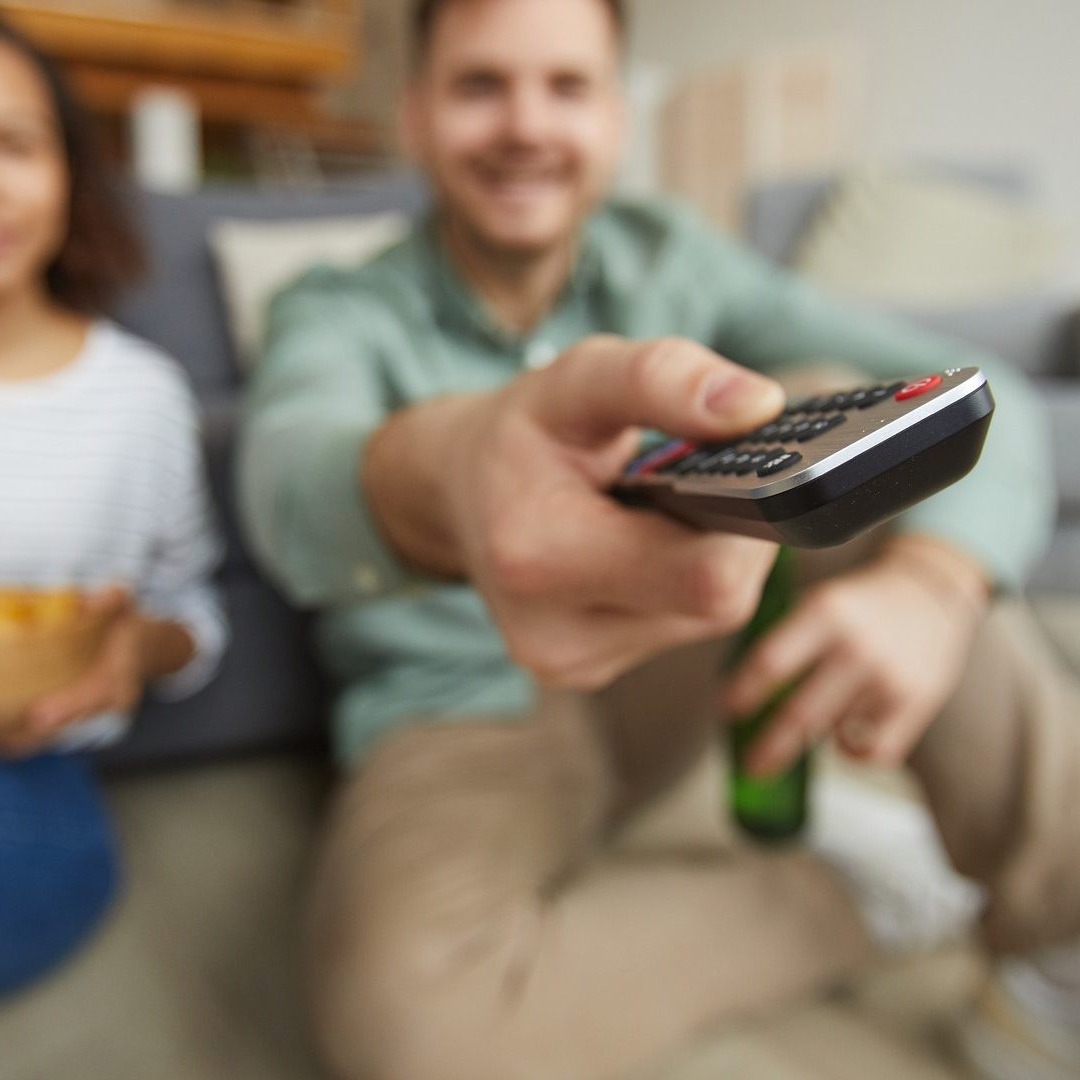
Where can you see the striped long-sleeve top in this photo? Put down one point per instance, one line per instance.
(102, 482)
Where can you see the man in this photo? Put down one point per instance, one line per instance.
(408, 433)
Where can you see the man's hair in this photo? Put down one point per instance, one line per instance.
(101, 253)
(426, 12)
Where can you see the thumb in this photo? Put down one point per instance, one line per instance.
(607, 384)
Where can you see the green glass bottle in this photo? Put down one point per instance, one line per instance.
(769, 808)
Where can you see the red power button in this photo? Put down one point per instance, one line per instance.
(921, 386)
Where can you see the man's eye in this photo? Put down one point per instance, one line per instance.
(476, 86)
(571, 86)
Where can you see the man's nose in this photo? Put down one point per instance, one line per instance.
(528, 115)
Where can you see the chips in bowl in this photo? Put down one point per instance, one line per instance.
(48, 639)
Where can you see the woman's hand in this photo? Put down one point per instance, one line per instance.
(135, 650)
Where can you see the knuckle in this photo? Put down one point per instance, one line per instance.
(854, 651)
(558, 663)
(829, 605)
(721, 592)
(744, 602)
(567, 363)
(764, 665)
(709, 589)
(518, 562)
(739, 607)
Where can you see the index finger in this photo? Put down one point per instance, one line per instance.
(781, 656)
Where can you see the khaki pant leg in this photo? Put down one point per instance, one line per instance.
(1001, 769)
(470, 922)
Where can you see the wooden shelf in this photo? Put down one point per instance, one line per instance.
(280, 108)
(259, 68)
(260, 42)
(112, 91)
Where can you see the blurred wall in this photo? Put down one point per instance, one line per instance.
(988, 80)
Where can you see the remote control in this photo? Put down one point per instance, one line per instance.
(827, 469)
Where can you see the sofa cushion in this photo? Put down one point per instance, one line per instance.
(257, 258)
(180, 306)
(778, 213)
(919, 240)
(1058, 572)
(269, 692)
(1061, 398)
(1034, 331)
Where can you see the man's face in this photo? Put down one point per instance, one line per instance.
(517, 116)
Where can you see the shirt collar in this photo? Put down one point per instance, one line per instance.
(457, 303)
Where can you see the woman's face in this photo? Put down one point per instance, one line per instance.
(33, 177)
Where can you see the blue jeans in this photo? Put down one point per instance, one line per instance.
(59, 864)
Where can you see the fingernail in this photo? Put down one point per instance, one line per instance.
(735, 394)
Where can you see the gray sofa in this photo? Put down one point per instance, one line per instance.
(269, 694)
(197, 975)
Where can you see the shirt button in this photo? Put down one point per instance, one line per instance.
(539, 354)
(366, 578)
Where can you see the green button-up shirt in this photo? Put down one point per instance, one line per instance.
(346, 348)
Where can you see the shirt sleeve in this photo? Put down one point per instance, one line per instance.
(178, 584)
(317, 397)
(1003, 512)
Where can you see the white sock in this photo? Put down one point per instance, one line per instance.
(887, 850)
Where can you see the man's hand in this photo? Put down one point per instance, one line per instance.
(879, 652)
(508, 490)
(135, 649)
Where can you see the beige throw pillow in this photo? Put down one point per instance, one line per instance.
(257, 258)
(922, 241)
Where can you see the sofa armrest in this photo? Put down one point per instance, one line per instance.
(1061, 399)
(1035, 332)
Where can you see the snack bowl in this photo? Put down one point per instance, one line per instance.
(48, 639)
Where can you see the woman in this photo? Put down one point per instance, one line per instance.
(102, 489)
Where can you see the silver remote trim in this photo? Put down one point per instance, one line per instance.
(706, 485)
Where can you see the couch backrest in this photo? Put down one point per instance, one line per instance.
(180, 306)
(1034, 330)
(777, 213)
(269, 692)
